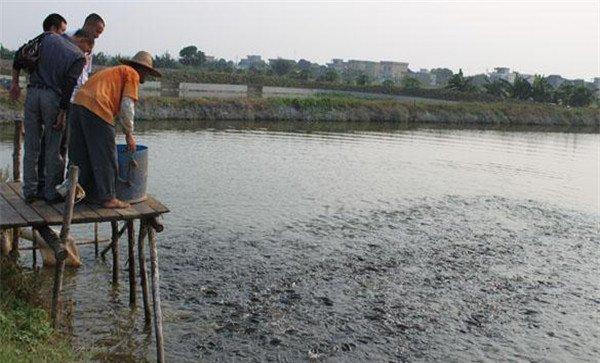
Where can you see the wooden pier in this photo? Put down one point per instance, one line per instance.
(15, 214)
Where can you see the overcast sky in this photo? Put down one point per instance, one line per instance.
(545, 37)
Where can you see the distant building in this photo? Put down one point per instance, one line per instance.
(252, 61)
(424, 76)
(376, 71)
(210, 59)
(502, 73)
(337, 64)
(359, 66)
(555, 80)
(596, 84)
(393, 71)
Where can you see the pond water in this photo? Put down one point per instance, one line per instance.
(359, 242)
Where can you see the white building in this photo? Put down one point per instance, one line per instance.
(502, 73)
(252, 61)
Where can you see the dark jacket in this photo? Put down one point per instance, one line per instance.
(58, 68)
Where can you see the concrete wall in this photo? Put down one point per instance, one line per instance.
(199, 90)
(196, 90)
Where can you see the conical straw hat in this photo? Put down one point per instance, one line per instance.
(143, 59)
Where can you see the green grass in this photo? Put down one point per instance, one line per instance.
(26, 334)
(366, 109)
(512, 110)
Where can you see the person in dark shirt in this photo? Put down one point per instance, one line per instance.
(48, 97)
(54, 23)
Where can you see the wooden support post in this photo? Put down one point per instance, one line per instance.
(156, 224)
(115, 251)
(119, 234)
(96, 239)
(58, 277)
(64, 233)
(14, 249)
(4, 242)
(17, 141)
(53, 241)
(160, 352)
(33, 249)
(69, 203)
(131, 246)
(143, 274)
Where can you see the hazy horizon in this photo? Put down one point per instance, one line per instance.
(529, 37)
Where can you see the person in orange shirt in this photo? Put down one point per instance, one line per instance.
(110, 93)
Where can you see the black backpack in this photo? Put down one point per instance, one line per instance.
(28, 56)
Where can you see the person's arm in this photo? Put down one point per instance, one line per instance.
(15, 87)
(129, 97)
(70, 82)
(126, 115)
(67, 90)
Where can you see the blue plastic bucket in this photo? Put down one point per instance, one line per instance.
(133, 173)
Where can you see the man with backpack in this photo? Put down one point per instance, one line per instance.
(57, 66)
(54, 23)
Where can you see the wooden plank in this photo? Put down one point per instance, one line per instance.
(86, 213)
(108, 214)
(104, 213)
(45, 211)
(156, 205)
(81, 212)
(40, 212)
(144, 209)
(9, 217)
(128, 213)
(20, 206)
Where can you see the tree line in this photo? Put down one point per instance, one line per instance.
(540, 90)
(303, 72)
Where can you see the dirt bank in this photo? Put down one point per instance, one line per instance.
(342, 109)
(352, 109)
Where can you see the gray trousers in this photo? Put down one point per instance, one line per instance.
(93, 149)
(63, 155)
(41, 110)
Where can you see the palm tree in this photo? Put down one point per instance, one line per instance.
(458, 82)
(521, 89)
(499, 87)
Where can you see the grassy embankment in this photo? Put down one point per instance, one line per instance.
(26, 333)
(335, 108)
(344, 108)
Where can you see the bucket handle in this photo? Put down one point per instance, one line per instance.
(132, 165)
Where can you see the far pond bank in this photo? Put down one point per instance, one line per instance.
(342, 109)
